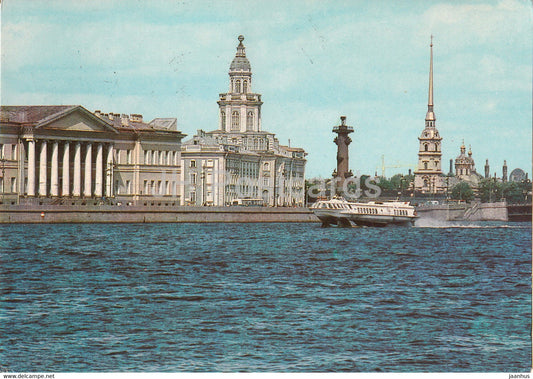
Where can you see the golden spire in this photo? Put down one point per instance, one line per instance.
(430, 116)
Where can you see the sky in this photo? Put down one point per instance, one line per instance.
(312, 61)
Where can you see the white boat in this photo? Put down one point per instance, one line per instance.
(340, 212)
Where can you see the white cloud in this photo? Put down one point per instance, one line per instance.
(312, 61)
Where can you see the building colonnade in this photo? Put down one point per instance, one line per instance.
(97, 182)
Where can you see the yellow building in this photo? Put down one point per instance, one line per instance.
(66, 154)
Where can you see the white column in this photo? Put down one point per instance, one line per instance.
(42, 170)
(54, 176)
(65, 191)
(31, 167)
(76, 191)
(98, 187)
(109, 172)
(88, 171)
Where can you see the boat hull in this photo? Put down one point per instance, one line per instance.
(378, 220)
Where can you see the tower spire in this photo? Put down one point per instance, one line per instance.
(430, 116)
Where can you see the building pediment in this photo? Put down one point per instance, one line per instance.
(77, 119)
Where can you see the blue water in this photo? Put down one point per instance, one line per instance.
(264, 297)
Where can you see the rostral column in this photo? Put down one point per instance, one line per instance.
(342, 140)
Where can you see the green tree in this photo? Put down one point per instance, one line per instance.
(513, 192)
(490, 190)
(462, 191)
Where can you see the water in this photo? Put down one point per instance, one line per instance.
(265, 297)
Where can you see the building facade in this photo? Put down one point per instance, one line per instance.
(428, 176)
(465, 168)
(68, 155)
(239, 160)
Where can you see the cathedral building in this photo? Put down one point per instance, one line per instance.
(428, 176)
(240, 161)
(465, 170)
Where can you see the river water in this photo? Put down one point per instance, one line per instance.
(265, 297)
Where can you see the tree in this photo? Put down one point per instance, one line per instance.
(513, 192)
(462, 191)
(490, 190)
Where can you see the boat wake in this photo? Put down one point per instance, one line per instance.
(436, 224)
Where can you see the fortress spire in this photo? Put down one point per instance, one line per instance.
(428, 176)
(430, 116)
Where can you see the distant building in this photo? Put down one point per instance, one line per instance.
(517, 175)
(70, 155)
(504, 171)
(428, 176)
(465, 168)
(240, 160)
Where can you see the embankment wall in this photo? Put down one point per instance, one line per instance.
(137, 214)
(465, 212)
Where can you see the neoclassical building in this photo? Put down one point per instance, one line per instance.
(428, 176)
(239, 160)
(68, 155)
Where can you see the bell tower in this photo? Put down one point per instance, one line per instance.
(428, 176)
(240, 108)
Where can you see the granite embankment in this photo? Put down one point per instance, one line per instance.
(136, 214)
(464, 212)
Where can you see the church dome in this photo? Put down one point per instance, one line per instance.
(240, 62)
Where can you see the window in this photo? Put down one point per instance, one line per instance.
(14, 152)
(146, 189)
(1, 151)
(128, 187)
(193, 178)
(425, 165)
(13, 185)
(250, 120)
(147, 156)
(223, 120)
(128, 156)
(235, 120)
(265, 166)
(245, 86)
(159, 187)
(238, 86)
(192, 196)
(425, 147)
(192, 163)
(167, 187)
(152, 187)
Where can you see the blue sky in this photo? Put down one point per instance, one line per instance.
(312, 61)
